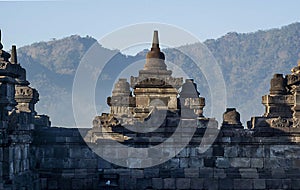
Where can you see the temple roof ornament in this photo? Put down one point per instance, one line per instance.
(278, 85)
(155, 73)
(122, 88)
(155, 59)
(231, 119)
(14, 59)
(189, 89)
(296, 69)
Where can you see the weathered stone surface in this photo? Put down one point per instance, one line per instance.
(151, 172)
(137, 173)
(52, 184)
(157, 183)
(195, 162)
(126, 182)
(222, 163)
(177, 173)
(183, 183)
(278, 173)
(206, 172)
(259, 184)
(231, 151)
(243, 184)
(164, 173)
(211, 184)
(233, 173)
(197, 183)
(251, 151)
(191, 172)
(169, 183)
(144, 183)
(172, 163)
(273, 184)
(184, 162)
(240, 162)
(249, 173)
(219, 173)
(209, 162)
(277, 163)
(295, 184)
(286, 183)
(226, 183)
(257, 162)
(218, 151)
(285, 151)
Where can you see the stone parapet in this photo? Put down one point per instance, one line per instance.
(63, 160)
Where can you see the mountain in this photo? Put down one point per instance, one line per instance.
(248, 62)
(50, 68)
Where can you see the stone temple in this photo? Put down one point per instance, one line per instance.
(154, 93)
(146, 112)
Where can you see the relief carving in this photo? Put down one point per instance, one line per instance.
(296, 123)
(279, 122)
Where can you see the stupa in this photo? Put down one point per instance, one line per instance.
(157, 99)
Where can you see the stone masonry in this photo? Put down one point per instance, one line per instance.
(34, 155)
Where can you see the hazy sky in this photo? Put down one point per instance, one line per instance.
(25, 22)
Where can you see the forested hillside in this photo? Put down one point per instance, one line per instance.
(248, 62)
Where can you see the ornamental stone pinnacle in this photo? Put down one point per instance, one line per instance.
(155, 59)
(14, 58)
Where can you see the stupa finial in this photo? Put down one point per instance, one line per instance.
(155, 58)
(155, 41)
(14, 58)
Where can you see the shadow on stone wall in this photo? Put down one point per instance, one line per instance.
(265, 158)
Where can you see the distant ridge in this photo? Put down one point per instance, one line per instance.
(248, 61)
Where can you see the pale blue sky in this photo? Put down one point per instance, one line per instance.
(25, 22)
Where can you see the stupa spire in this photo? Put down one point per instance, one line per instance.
(14, 58)
(155, 41)
(155, 59)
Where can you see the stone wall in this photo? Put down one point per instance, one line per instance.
(15, 154)
(238, 159)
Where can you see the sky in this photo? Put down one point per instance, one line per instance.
(25, 22)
